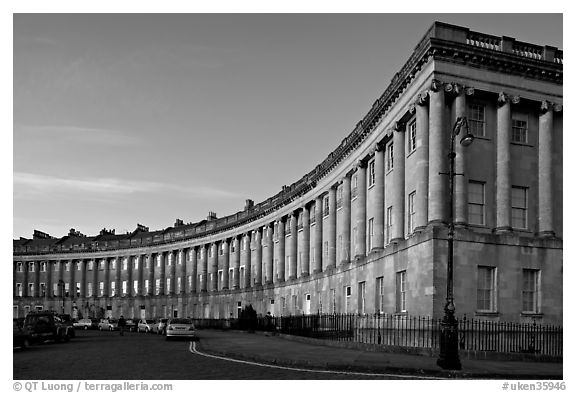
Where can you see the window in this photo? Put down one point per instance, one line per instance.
(67, 289)
(222, 248)
(101, 265)
(157, 287)
(31, 267)
(326, 249)
(485, 300)
(380, 294)
(90, 265)
(146, 286)
(30, 289)
(388, 224)
(530, 290)
(390, 157)
(18, 289)
(519, 207)
(19, 267)
(101, 288)
(124, 287)
(168, 282)
(67, 268)
(411, 211)
(242, 276)
(113, 264)
(312, 213)
(326, 204)
(210, 252)
(57, 266)
(354, 186)
(147, 263)
(476, 201)
(135, 287)
(178, 284)
(233, 246)
(42, 266)
(520, 130)
(401, 291)
(56, 290)
(412, 136)
(476, 119)
(370, 233)
(170, 259)
(220, 278)
(371, 173)
(124, 263)
(89, 289)
(112, 288)
(339, 196)
(362, 297)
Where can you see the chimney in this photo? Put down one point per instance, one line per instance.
(211, 216)
(249, 204)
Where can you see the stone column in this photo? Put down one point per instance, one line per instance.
(118, 276)
(379, 174)
(214, 267)
(305, 263)
(331, 262)
(293, 268)
(461, 180)
(173, 272)
(259, 262)
(437, 186)
(346, 217)
(422, 124)
(141, 259)
(204, 267)
(545, 172)
(318, 244)
(270, 254)
(194, 265)
(162, 276)
(361, 210)
(399, 185)
(151, 274)
(248, 263)
(95, 286)
(503, 191)
(25, 279)
(236, 264)
(36, 279)
(184, 258)
(49, 278)
(129, 284)
(226, 264)
(106, 262)
(280, 276)
(83, 278)
(72, 284)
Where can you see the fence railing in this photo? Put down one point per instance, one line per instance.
(406, 331)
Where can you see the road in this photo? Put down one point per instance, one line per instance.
(95, 355)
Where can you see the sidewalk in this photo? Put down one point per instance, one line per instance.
(274, 349)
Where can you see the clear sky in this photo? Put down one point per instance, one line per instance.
(121, 119)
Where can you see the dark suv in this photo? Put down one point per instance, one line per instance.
(47, 325)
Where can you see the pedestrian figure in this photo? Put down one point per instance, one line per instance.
(121, 324)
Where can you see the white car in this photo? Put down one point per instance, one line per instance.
(85, 324)
(145, 325)
(180, 327)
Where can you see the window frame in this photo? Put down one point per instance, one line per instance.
(474, 123)
(523, 209)
(412, 132)
(481, 205)
(490, 289)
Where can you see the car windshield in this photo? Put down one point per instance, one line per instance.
(185, 321)
(149, 321)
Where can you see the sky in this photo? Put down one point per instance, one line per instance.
(120, 119)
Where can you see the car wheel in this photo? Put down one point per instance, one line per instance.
(100, 328)
(147, 330)
(85, 327)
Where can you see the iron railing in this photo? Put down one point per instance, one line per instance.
(407, 331)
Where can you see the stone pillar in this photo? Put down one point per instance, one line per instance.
(399, 185)
(184, 289)
(461, 180)
(248, 262)
(258, 251)
(237, 257)
(194, 272)
(118, 276)
(151, 274)
(49, 278)
(95, 286)
(437, 186)
(293, 268)
(503, 191)
(129, 283)
(305, 263)
(331, 262)
(318, 244)
(226, 264)
(379, 175)
(204, 267)
(72, 284)
(270, 254)
(173, 272)
(162, 276)
(346, 217)
(361, 210)
(141, 259)
(422, 146)
(281, 274)
(36, 279)
(214, 267)
(106, 262)
(83, 277)
(25, 279)
(545, 172)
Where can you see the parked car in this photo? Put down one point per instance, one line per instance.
(159, 326)
(21, 337)
(67, 319)
(180, 327)
(145, 325)
(86, 324)
(46, 325)
(130, 325)
(108, 324)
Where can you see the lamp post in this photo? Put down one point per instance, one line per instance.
(449, 358)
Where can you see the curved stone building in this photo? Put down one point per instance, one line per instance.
(366, 230)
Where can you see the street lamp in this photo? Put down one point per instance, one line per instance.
(449, 358)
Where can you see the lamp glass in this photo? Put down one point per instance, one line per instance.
(467, 140)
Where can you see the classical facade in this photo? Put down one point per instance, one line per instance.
(366, 230)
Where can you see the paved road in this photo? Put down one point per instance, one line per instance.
(98, 355)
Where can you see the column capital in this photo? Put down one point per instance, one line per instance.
(545, 106)
(400, 126)
(558, 108)
(469, 90)
(452, 88)
(378, 146)
(503, 99)
(361, 163)
(423, 98)
(515, 100)
(435, 85)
